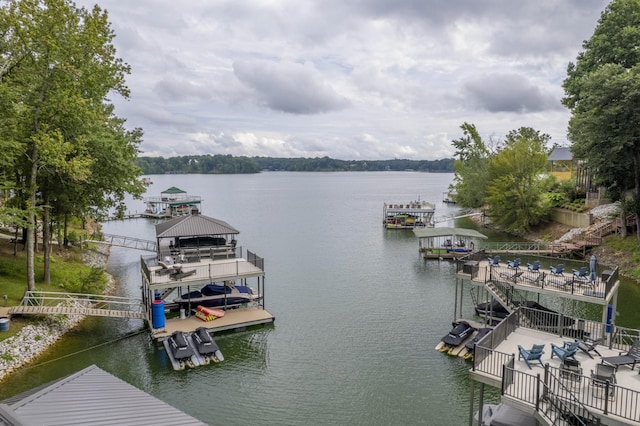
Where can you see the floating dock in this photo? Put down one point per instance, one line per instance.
(234, 319)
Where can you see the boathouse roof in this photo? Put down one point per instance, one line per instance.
(90, 396)
(173, 190)
(445, 231)
(194, 225)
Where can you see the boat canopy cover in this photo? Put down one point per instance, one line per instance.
(173, 190)
(447, 232)
(193, 226)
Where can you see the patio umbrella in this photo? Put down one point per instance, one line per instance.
(592, 267)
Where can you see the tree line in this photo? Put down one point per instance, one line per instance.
(217, 164)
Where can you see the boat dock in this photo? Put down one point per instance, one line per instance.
(194, 253)
(172, 202)
(410, 215)
(234, 319)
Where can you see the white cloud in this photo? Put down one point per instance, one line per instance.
(364, 79)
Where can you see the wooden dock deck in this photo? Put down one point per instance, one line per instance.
(234, 319)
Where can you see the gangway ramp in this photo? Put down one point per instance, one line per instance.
(124, 241)
(56, 303)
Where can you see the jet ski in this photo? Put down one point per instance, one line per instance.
(458, 334)
(206, 346)
(180, 349)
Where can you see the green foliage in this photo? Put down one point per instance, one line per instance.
(630, 247)
(73, 236)
(556, 199)
(517, 191)
(91, 280)
(603, 93)
(471, 168)
(577, 205)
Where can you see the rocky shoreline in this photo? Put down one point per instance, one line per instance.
(34, 339)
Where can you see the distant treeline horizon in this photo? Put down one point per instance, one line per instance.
(228, 164)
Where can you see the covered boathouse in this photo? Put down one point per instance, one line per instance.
(195, 252)
(446, 242)
(172, 202)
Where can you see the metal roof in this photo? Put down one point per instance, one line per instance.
(173, 190)
(443, 231)
(92, 396)
(195, 225)
(560, 153)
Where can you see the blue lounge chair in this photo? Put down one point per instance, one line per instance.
(567, 350)
(582, 274)
(514, 264)
(557, 270)
(495, 261)
(533, 354)
(534, 267)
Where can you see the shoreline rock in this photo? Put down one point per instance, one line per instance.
(35, 339)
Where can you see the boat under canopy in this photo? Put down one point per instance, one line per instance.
(447, 242)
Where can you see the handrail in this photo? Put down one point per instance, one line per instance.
(548, 390)
(95, 301)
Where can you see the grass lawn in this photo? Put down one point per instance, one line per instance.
(68, 274)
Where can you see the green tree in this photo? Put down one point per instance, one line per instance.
(602, 90)
(518, 183)
(470, 168)
(59, 66)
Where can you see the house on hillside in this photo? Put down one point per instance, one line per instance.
(564, 166)
(561, 163)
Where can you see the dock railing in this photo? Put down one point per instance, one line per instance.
(552, 388)
(548, 390)
(569, 283)
(81, 300)
(536, 390)
(197, 254)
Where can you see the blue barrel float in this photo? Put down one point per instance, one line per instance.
(157, 314)
(4, 324)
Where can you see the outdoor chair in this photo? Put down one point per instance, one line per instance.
(535, 279)
(511, 276)
(534, 267)
(567, 350)
(557, 270)
(588, 345)
(631, 357)
(570, 369)
(603, 378)
(533, 354)
(582, 274)
(495, 261)
(514, 264)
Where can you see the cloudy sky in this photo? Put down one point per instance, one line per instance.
(349, 79)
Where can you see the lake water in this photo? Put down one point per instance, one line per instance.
(358, 312)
